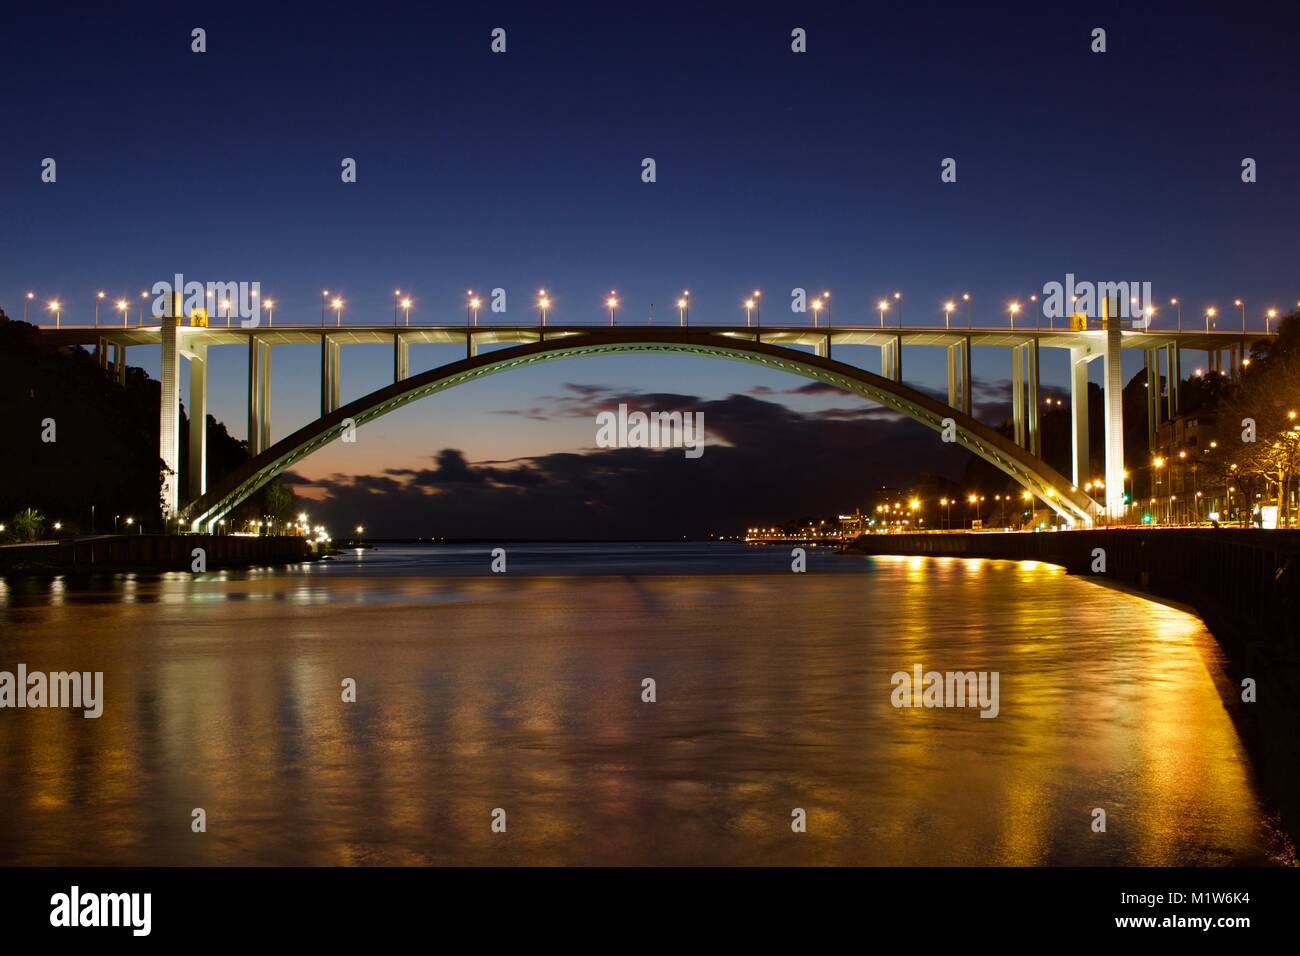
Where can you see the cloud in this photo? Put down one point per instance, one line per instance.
(762, 462)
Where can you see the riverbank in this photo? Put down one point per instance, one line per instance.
(151, 552)
(1244, 584)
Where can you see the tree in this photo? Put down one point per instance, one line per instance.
(28, 524)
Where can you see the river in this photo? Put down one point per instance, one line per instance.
(522, 692)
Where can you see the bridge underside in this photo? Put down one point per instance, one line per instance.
(1029, 471)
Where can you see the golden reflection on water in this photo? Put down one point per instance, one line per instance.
(773, 693)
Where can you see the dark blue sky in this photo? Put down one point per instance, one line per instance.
(522, 170)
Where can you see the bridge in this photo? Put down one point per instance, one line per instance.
(800, 350)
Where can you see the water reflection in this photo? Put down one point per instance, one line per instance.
(524, 692)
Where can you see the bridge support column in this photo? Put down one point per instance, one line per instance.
(823, 348)
(1018, 394)
(170, 412)
(952, 376)
(1079, 416)
(1035, 429)
(198, 409)
(1173, 366)
(329, 375)
(119, 364)
(471, 347)
(264, 399)
(965, 376)
(101, 353)
(1114, 393)
(1152, 357)
(401, 358)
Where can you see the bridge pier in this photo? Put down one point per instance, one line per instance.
(1173, 366)
(198, 452)
(259, 395)
(891, 359)
(1080, 465)
(1018, 395)
(401, 358)
(1114, 395)
(329, 375)
(119, 364)
(1152, 359)
(821, 348)
(169, 412)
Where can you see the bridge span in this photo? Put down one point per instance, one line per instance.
(801, 350)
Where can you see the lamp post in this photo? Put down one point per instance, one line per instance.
(826, 297)
(681, 311)
(749, 308)
(474, 303)
(1269, 316)
(125, 308)
(397, 301)
(143, 295)
(684, 307)
(898, 297)
(324, 298)
(99, 297)
(27, 298)
(270, 311)
(543, 304)
(1013, 308)
(57, 308)
(612, 304)
(947, 314)
(1242, 306)
(883, 306)
(817, 310)
(965, 296)
(758, 307)
(1178, 308)
(226, 305)
(337, 306)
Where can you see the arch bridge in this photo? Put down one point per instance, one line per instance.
(799, 350)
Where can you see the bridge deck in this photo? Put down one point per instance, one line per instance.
(995, 337)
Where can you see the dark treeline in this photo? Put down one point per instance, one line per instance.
(77, 442)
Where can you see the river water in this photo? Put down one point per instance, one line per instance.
(522, 692)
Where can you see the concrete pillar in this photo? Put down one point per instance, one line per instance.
(264, 396)
(965, 377)
(1018, 395)
(898, 358)
(401, 358)
(952, 376)
(1174, 370)
(119, 363)
(1079, 416)
(329, 375)
(886, 365)
(254, 396)
(822, 347)
(1114, 392)
(1152, 360)
(170, 412)
(1035, 429)
(198, 409)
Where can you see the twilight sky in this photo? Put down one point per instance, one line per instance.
(522, 170)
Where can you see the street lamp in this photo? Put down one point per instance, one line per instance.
(1210, 313)
(337, 306)
(57, 308)
(883, 306)
(98, 298)
(143, 295)
(125, 308)
(1013, 308)
(1269, 316)
(684, 308)
(270, 311)
(27, 298)
(758, 310)
(681, 311)
(226, 305)
(817, 308)
(965, 297)
(825, 303)
(1179, 307)
(543, 304)
(397, 301)
(1242, 306)
(474, 303)
(324, 298)
(898, 297)
(749, 307)
(612, 304)
(947, 313)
